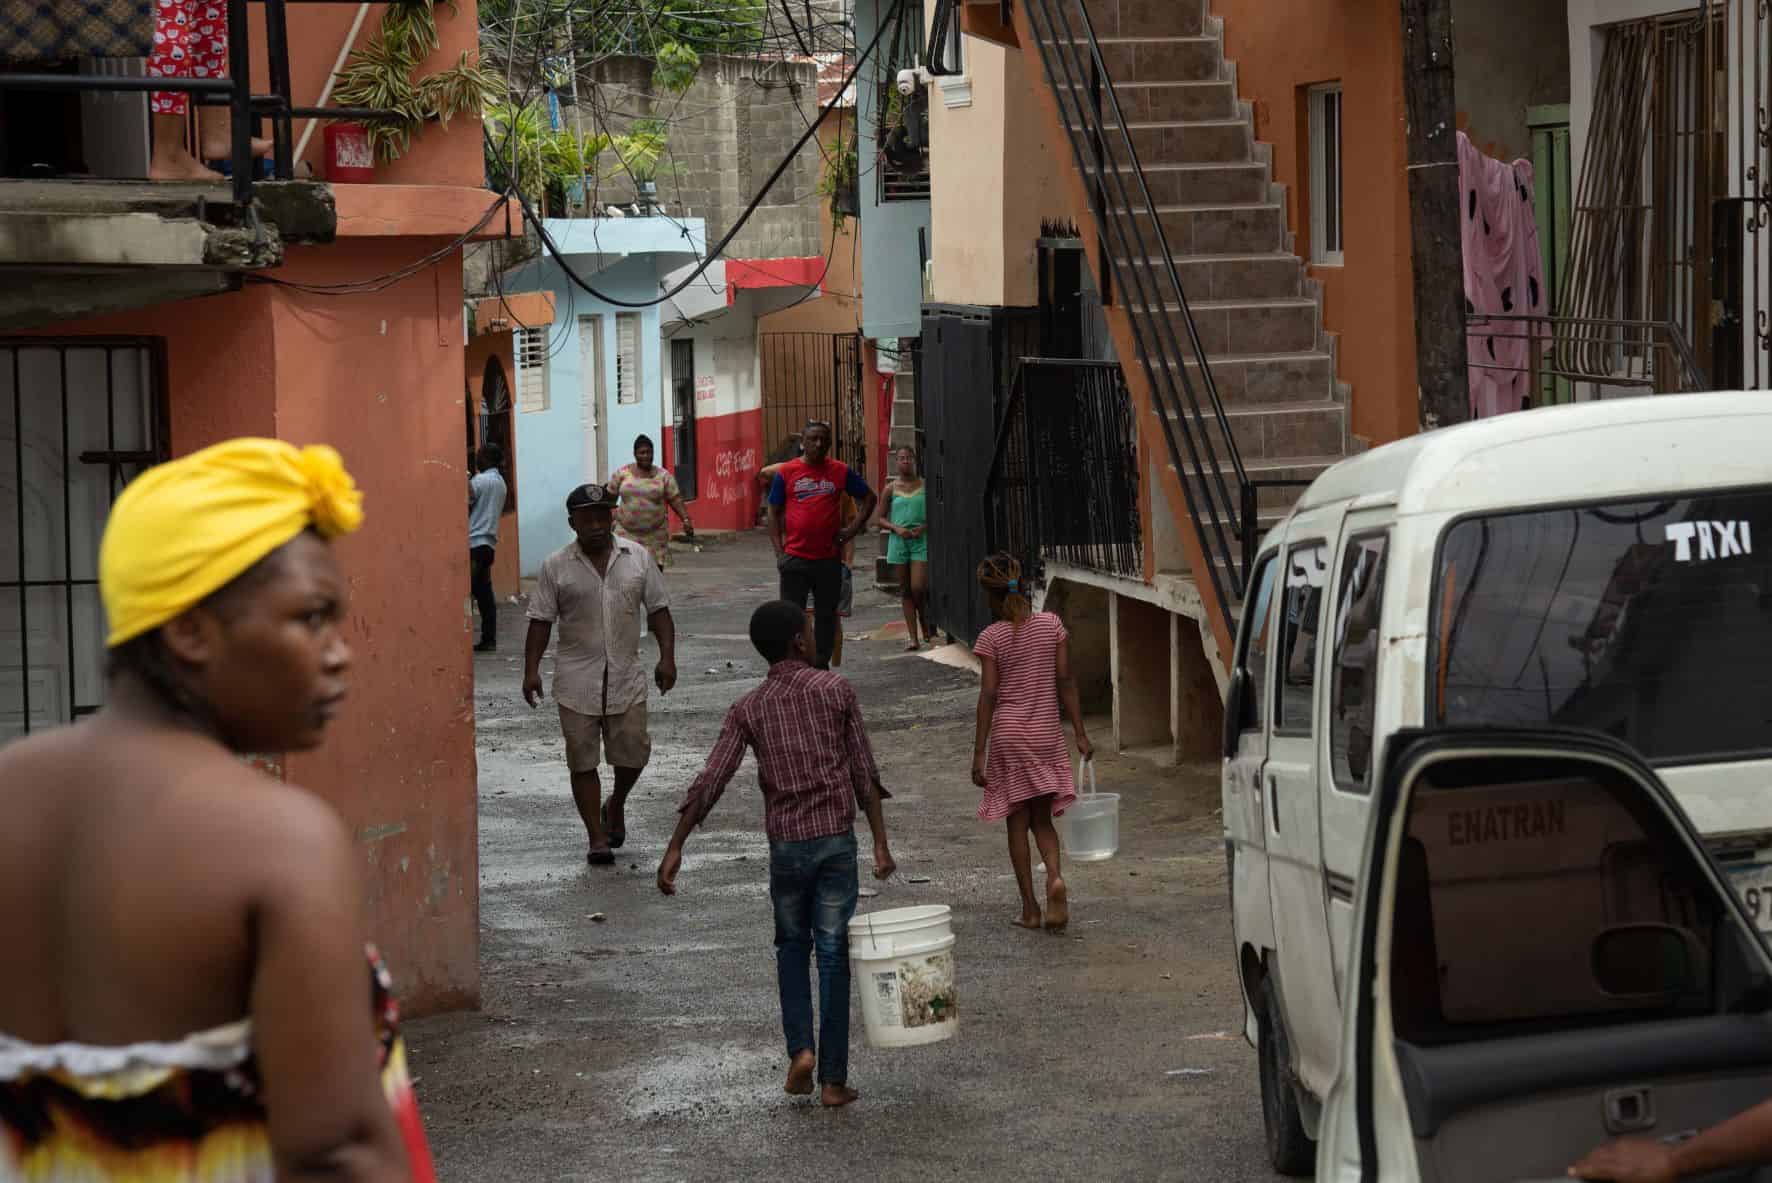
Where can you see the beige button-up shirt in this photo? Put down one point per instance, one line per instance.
(597, 669)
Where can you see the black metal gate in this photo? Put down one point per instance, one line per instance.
(967, 359)
(813, 376)
(683, 416)
(87, 415)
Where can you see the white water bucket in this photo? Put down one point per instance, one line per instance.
(904, 960)
(1090, 828)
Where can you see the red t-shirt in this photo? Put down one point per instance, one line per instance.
(810, 495)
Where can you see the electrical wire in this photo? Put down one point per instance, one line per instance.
(810, 133)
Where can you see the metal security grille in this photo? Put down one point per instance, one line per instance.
(78, 420)
(1674, 203)
(813, 376)
(532, 370)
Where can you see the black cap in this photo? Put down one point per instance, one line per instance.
(592, 496)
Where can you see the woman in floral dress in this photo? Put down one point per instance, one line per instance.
(647, 494)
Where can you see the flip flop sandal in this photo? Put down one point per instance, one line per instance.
(617, 838)
(601, 858)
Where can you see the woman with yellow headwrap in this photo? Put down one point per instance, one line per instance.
(158, 887)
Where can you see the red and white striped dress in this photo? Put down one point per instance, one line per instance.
(1028, 754)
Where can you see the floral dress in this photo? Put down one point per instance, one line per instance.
(190, 1111)
(642, 512)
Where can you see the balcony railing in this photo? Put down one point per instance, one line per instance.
(1551, 359)
(234, 92)
(1063, 481)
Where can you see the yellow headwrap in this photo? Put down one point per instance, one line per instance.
(184, 530)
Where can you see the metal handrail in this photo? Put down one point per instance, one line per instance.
(236, 90)
(1095, 131)
(1568, 340)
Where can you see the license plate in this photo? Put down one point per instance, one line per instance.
(1753, 883)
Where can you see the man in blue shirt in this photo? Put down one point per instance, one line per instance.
(486, 501)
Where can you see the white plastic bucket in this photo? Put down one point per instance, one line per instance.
(904, 960)
(1090, 828)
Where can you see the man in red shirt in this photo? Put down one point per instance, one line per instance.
(816, 769)
(807, 529)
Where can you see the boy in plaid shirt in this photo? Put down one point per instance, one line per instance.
(815, 767)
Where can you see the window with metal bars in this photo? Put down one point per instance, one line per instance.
(532, 369)
(78, 420)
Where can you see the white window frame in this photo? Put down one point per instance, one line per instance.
(1327, 171)
(532, 349)
(630, 364)
(956, 89)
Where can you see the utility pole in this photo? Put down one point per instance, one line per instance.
(1430, 110)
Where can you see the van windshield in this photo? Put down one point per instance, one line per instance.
(1648, 620)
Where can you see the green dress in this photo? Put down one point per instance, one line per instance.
(908, 509)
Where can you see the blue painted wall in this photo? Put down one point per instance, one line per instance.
(551, 443)
(892, 280)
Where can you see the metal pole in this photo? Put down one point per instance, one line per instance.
(24, 606)
(240, 75)
(282, 125)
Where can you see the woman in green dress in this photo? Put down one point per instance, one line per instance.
(902, 515)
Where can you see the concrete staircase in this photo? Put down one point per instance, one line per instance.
(1259, 316)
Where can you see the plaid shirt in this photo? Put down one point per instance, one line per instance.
(813, 758)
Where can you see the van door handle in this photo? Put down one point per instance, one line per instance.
(1274, 802)
(1629, 1110)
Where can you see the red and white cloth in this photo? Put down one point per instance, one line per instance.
(1028, 755)
(190, 41)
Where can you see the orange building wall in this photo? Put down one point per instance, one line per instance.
(1280, 49)
(380, 377)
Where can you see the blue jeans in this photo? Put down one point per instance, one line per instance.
(814, 888)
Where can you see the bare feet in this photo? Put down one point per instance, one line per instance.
(1058, 905)
(913, 646)
(1030, 917)
(222, 149)
(835, 1096)
(800, 1075)
(176, 164)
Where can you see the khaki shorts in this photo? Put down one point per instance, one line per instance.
(624, 736)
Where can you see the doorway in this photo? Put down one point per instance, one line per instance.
(592, 393)
(683, 416)
(78, 421)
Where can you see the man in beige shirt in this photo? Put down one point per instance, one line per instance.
(596, 589)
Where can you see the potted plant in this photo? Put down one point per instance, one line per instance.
(640, 150)
(380, 75)
(841, 183)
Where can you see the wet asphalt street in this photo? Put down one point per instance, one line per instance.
(646, 1045)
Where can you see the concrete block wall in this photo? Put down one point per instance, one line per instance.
(725, 135)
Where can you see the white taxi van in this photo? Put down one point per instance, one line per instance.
(1604, 567)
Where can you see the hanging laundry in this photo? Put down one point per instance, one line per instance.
(1503, 279)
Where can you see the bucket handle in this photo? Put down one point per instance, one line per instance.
(1088, 766)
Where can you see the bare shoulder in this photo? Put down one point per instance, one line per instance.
(279, 832)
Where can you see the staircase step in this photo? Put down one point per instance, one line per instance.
(1268, 378)
(1288, 429)
(1251, 326)
(1205, 184)
(1228, 277)
(1157, 59)
(1188, 141)
(1170, 102)
(1222, 229)
(1146, 18)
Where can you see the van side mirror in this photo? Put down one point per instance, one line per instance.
(1236, 711)
(1646, 961)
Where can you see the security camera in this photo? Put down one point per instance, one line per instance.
(908, 80)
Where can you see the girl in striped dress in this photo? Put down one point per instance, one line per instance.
(1026, 776)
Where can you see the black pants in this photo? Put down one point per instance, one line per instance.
(480, 561)
(823, 580)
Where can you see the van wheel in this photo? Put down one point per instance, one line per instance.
(1289, 1148)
